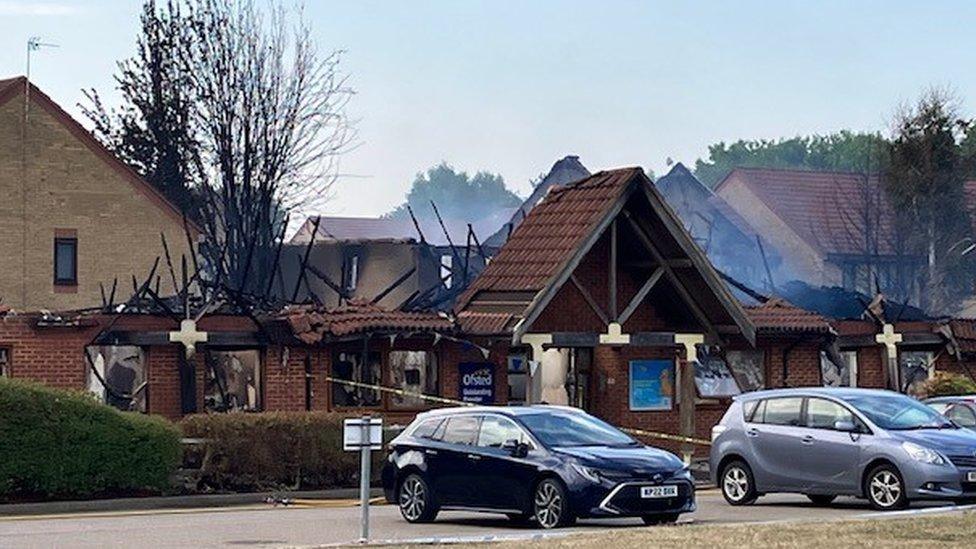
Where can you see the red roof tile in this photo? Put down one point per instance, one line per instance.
(550, 234)
(312, 324)
(825, 209)
(485, 323)
(778, 315)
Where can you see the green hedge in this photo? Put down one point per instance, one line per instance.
(274, 451)
(57, 444)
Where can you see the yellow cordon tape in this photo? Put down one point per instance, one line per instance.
(442, 400)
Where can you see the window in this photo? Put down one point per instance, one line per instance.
(232, 381)
(557, 428)
(415, 372)
(496, 431)
(839, 375)
(963, 415)
(823, 414)
(916, 368)
(116, 375)
(748, 409)
(349, 366)
(350, 267)
(4, 362)
(461, 430)
(518, 379)
(447, 269)
(782, 411)
(747, 367)
(66, 261)
(426, 429)
(713, 377)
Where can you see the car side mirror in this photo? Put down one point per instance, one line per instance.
(516, 448)
(846, 426)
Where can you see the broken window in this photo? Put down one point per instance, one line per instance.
(447, 269)
(747, 367)
(349, 366)
(916, 368)
(713, 377)
(518, 379)
(415, 372)
(839, 375)
(116, 375)
(4, 362)
(232, 381)
(350, 267)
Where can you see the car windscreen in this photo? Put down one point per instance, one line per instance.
(574, 429)
(898, 412)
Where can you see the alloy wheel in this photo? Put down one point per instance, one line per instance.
(548, 504)
(885, 488)
(413, 499)
(735, 483)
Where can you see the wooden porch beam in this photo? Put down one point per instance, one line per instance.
(612, 290)
(641, 294)
(589, 299)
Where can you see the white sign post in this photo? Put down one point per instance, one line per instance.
(364, 434)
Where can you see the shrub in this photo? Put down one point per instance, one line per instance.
(56, 443)
(948, 384)
(275, 450)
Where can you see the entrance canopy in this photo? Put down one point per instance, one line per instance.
(604, 251)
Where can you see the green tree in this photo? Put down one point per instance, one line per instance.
(929, 161)
(457, 195)
(841, 151)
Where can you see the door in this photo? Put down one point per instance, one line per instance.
(504, 479)
(775, 439)
(829, 456)
(452, 471)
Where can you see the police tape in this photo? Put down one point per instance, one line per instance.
(453, 402)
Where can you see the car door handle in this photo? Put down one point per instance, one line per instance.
(430, 452)
(808, 439)
(474, 457)
(752, 432)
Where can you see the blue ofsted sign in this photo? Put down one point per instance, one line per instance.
(477, 381)
(651, 384)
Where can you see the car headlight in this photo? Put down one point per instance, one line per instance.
(589, 473)
(923, 454)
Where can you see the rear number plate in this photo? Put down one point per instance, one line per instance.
(659, 491)
(971, 477)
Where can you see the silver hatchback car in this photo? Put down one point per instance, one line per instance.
(827, 442)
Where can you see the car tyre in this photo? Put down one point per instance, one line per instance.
(655, 520)
(885, 488)
(738, 484)
(416, 500)
(821, 499)
(550, 506)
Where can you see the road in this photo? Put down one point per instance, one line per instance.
(273, 527)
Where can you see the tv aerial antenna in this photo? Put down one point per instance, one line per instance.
(34, 43)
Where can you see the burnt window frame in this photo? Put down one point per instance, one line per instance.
(350, 276)
(58, 241)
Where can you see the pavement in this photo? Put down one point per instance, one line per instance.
(329, 524)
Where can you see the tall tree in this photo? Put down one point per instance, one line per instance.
(263, 112)
(841, 151)
(153, 130)
(458, 195)
(929, 162)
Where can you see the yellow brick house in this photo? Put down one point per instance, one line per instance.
(72, 215)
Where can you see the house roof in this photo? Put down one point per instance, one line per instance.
(566, 170)
(825, 209)
(315, 324)
(13, 87)
(540, 254)
(398, 229)
(779, 316)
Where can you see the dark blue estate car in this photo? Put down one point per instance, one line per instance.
(544, 463)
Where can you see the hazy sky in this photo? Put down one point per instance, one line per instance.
(511, 86)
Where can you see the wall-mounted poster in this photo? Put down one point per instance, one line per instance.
(651, 384)
(477, 382)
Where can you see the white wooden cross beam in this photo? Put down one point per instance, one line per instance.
(188, 336)
(890, 340)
